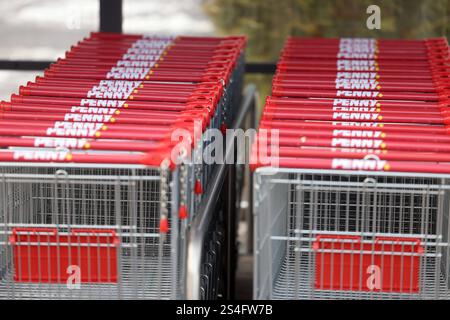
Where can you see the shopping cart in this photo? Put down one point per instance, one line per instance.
(101, 223)
(95, 229)
(324, 234)
(104, 213)
(356, 205)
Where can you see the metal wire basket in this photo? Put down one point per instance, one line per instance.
(327, 234)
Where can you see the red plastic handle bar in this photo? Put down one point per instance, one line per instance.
(394, 111)
(304, 93)
(383, 104)
(365, 165)
(352, 125)
(355, 116)
(82, 144)
(359, 133)
(360, 143)
(344, 153)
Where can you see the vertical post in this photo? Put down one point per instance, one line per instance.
(111, 16)
(250, 223)
(230, 218)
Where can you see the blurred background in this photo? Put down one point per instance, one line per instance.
(45, 29)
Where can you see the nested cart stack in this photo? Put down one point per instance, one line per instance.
(97, 190)
(352, 172)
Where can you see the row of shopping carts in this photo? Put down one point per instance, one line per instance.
(352, 172)
(101, 165)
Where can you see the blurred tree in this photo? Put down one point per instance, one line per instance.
(267, 23)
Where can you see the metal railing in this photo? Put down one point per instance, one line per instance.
(213, 229)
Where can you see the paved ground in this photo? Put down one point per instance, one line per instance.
(244, 278)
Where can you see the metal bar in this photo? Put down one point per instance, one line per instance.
(246, 106)
(250, 222)
(261, 67)
(23, 65)
(230, 218)
(111, 16)
(251, 67)
(205, 215)
(198, 232)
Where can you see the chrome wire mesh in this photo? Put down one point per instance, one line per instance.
(297, 271)
(125, 201)
(334, 235)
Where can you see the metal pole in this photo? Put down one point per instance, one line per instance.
(260, 67)
(111, 16)
(23, 65)
(230, 218)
